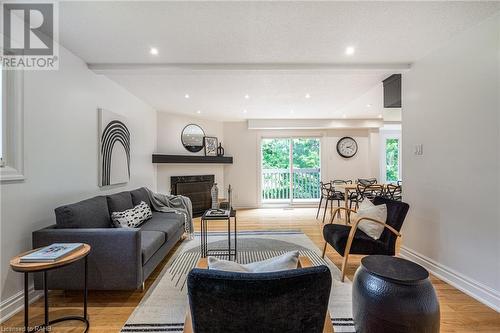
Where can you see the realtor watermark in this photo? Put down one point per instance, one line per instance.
(29, 35)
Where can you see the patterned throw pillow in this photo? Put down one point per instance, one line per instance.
(133, 217)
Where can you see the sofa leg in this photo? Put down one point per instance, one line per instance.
(143, 287)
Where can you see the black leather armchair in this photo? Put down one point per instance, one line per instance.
(348, 239)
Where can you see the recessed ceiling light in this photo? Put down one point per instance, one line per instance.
(308, 96)
(246, 96)
(186, 96)
(344, 116)
(349, 50)
(368, 105)
(244, 111)
(380, 116)
(154, 51)
(198, 112)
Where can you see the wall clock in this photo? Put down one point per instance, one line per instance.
(347, 147)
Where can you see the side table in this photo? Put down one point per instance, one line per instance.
(229, 252)
(27, 268)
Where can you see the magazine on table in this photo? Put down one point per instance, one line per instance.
(217, 213)
(52, 252)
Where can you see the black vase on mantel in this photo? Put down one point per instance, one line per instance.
(220, 150)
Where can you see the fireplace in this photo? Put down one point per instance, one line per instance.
(196, 188)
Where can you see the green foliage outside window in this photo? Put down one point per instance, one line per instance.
(392, 159)
(276, 166)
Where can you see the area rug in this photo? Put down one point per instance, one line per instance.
(163, 307)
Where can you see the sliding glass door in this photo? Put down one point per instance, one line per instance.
(290, 170)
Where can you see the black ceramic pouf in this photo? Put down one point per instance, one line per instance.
(391, 294)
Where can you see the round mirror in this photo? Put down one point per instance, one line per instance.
(192, 138)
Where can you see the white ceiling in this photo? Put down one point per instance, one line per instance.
(275, 52)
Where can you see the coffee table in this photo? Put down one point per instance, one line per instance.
(229, 252)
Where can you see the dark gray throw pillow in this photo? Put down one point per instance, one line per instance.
(119, 202)
(141, 194)
(90, 213)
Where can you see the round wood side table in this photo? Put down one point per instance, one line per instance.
(27, 268)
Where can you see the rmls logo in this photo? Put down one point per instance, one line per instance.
(29, 36)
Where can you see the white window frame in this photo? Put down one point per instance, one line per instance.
(12, 168)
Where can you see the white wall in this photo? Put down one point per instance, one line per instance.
(170, 127)
(61, 154)
(451, 106)
(244, 145)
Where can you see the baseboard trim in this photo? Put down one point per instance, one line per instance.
(15, 303)
(471, 287)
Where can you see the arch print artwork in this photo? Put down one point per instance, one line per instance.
(114, 149)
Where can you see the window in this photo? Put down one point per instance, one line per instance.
(11, 129)
(290, 170)
(390, 153)
(392, 160)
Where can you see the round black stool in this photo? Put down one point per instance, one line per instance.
(391, 294)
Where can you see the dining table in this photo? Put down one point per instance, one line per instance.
(353, 187)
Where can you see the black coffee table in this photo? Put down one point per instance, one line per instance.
(228, 252)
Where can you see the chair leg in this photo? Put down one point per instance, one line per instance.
(319, 207)
(324, 212)
(324, 250)
(344, 266)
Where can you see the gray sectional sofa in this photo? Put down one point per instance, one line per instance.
(121, 258)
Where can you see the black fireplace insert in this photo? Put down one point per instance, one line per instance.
(196, 188)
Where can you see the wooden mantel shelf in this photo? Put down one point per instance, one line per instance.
(161, 158)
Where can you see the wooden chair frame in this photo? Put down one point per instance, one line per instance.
(304, 262)
(352, 232)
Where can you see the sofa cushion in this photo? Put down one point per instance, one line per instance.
(286, 261)
(169, 223)
(151, 241)
(141, 194)
(119, 202)
(90, 213)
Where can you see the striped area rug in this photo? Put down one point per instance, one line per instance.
(164, 306)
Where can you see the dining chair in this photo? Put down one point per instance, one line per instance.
(367, 181)
(394, 192)
(328, 194)
(348, 239)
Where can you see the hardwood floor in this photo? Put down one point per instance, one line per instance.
(108, 311)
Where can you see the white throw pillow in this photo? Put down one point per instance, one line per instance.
(368, 209)
(133, 217)
(284, 262)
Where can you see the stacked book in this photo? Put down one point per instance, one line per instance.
(51, 253)
(216, 213)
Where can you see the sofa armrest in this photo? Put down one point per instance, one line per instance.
(114, 262)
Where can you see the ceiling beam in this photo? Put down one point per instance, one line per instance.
(179, 68)
(274, 124)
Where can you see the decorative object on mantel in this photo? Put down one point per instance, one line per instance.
(214, 192)
(192, 138)
(220, 150)
(114, 149)
(210, 146)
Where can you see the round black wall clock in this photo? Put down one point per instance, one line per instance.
(347, 147)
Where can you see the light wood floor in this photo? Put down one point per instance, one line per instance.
(108, 311)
